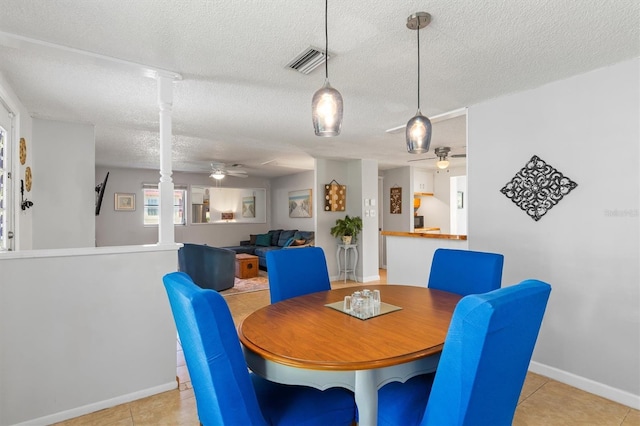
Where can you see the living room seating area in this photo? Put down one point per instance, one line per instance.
(276, 239)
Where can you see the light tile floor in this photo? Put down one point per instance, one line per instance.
(542, 402)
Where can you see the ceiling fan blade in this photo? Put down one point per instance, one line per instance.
(422, 159)
(458, 156)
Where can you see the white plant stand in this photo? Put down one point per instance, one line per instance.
(348, 264)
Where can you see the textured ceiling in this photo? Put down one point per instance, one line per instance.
(237, 103)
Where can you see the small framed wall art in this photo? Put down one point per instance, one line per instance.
(248, 206)
(396, 200)
(125, 202)
(300, 203)
(335, 197)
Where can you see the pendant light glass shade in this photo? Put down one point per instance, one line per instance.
(217, 175)
(326, 107)
(418, 134)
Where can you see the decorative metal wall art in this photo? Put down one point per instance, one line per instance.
(335, 197)
(537, 187)
(396, 200)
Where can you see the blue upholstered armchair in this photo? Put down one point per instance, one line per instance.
(208, 267)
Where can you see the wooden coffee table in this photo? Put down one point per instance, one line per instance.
(246, 266)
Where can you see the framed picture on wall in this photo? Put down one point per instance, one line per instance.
(125, 202)
(248, 206)
(396, 200)
(300, 203)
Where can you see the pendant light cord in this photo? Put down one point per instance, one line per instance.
(418, 31)
(326, 39)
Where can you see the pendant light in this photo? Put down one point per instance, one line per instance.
(418, 132)
(326, 105)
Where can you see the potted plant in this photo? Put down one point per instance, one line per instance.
(347, 228)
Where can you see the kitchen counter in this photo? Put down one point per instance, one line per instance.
(409, 254)
(422, 233)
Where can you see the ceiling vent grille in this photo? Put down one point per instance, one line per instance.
(310, 59)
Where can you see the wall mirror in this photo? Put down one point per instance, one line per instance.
(228, 205)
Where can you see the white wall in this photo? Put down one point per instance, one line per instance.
(119, 228)
(22, 219)
(280, 188)
(326, 171)
(586, 247)
(458, 216)
(361, 178)
(63, 189)
(437, 209)
(368, 266)
(400, 177)
(83, 330)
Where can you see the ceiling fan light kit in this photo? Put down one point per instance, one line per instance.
(220, 170)
(327, 105)
(442, 153)
(442, 164)
(418, 131)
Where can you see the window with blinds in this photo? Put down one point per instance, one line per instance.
(152, 205)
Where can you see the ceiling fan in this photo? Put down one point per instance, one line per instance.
(442, 153)
(220, 170)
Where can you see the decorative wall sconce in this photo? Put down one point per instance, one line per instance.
(25, 204)
(335, 197)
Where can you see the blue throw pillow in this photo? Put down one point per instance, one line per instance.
(263, 240)
(289, 242)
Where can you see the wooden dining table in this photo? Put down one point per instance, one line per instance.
(300, 341)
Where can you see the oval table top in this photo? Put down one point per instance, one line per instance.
(303, 332)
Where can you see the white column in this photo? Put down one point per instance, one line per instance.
(166, 233)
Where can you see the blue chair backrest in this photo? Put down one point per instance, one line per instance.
(486, 356)
(294, 272)
(465, 272)
(221, 382)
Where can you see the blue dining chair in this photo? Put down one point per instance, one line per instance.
(226, 393)
(465, 272)
(294, 272)
(483, 364)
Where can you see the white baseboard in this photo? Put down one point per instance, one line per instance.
(360, 279)
(587, 385)
(371, 278)
(97, 406)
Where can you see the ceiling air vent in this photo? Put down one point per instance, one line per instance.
(310, 59)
